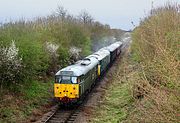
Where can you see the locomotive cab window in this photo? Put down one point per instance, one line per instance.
(74, 80)
(66, 80)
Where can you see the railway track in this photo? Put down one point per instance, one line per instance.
(67, 115)
(58, 115)
(63, 115)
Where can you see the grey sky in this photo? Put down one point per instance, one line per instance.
(116, 13)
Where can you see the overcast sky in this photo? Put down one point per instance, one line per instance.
(116, 13)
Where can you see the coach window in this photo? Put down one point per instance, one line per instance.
(74, 80)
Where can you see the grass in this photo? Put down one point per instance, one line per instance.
(115, 106)
(18, 107)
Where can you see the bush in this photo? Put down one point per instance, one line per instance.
(156, 44)
(10, 64)
(156, 49)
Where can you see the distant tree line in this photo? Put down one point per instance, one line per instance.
(38, 48)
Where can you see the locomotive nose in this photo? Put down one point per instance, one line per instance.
(66, 90)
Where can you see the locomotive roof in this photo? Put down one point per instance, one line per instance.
(80, 68)
(119, 42)
(113, 47)
(102, 53)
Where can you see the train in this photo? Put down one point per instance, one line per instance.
(73, 82)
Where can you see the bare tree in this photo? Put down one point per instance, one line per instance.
(61, 12)
(85, 17)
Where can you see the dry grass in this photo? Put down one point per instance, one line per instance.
(156, 48)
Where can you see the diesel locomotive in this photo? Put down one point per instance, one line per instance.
(74, 81)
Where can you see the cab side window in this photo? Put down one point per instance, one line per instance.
(58, 79)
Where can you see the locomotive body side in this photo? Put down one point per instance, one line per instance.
(103, 56)
(119, 47)
(113, 49)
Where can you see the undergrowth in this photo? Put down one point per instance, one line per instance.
(18, 106)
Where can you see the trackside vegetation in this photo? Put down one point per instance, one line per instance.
(31, 52)
(156, 49)
(150, 90)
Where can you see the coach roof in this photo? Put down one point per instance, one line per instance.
(102, 53)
